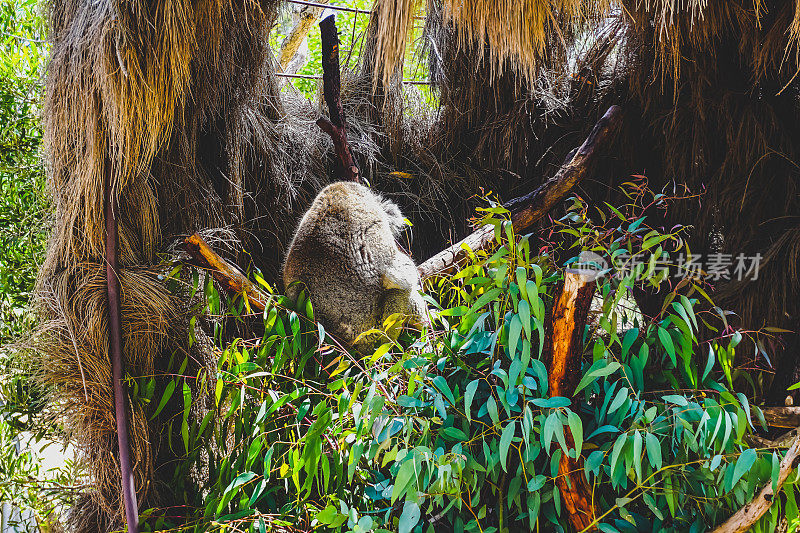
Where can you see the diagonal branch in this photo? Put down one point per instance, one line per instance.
(748, 515)
(229, 276)
(292, 42)
(528, 209)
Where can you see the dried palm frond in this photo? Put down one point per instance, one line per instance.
(73, 341)
(162, 100)
(524, 35)
(520, 35)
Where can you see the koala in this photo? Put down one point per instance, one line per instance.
(345, 252)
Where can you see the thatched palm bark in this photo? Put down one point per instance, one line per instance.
(170, 101)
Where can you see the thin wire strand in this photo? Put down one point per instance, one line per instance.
(328, 6)
(312, 77)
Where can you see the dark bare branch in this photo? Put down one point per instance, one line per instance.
(336, 127)
(532, 207)
(117, 361)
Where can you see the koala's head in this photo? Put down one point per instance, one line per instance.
(395, 217)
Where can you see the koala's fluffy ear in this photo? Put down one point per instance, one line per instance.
(395, 216)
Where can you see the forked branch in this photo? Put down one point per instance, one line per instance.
(336, 127)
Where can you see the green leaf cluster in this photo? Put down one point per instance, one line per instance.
(455, 429)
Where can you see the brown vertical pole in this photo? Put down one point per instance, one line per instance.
(115, 350)
(564, 350)
(336, 127)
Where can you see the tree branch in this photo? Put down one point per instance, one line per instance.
(292, 42)
(229, 276)
(336, 127)
(782, 417)
(783, 441)
(530, 208)
(748, 515)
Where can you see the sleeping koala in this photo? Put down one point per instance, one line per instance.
(345, 253)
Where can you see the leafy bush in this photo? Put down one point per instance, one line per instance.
(24, 483)
(455, 429)
(22, 198)
(39, 494)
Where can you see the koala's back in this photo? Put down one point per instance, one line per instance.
(343, 245)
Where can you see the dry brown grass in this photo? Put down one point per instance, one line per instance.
(524, 35)
(73, 342)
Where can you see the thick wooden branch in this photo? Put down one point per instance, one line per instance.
(748, 515)
(783, 441)
(230, 277)
(564, 333)
(782, 417)
(292, 42)
(532, 207)
(563, 355)
(336, 127)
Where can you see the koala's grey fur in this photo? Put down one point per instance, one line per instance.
(345, 253)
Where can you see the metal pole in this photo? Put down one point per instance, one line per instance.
(115, 350)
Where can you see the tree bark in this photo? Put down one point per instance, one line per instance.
(336, 127)
(782, 441)
(292, 42)
(230, 277)
(748, 515)
(528, 209)
(564, 349)
(782, 417)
